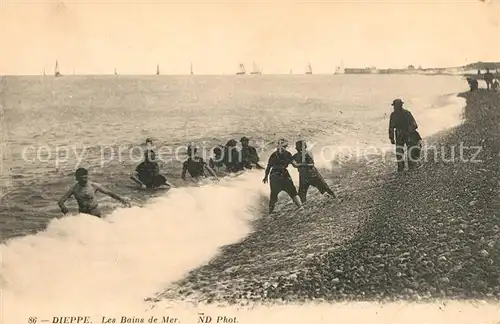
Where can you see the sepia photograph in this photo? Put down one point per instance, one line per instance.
(249, 162)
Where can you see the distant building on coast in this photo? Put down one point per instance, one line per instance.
(367, 70)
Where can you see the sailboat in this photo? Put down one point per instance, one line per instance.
(56, 70)
(309, 69)
(291, 72)
(44, 71)
(242, 70)
(256, 69)
(157, 69)
(192, 69)
(115, 72)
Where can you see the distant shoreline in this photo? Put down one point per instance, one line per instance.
(464, 70)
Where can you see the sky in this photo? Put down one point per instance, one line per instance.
(95, 37)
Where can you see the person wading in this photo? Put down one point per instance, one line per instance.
(232, 157)
(279, 178)
(84, 192)
(216, 162)
(147, 174)
(308, 174)
(403, 132)
(249, 154)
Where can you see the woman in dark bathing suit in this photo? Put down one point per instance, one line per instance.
(147, 174)
(196, 166)
(279, 178)
(308, 174)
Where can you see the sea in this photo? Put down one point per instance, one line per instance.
(79, 264)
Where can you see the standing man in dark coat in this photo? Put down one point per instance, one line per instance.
(403, 131)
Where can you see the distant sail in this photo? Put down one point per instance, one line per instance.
(44, 71)
(309, 69)
(242, 69)
(256, 69)
(291, 71)
(158, 69)
(192, 69)
(115, 72)
(56, 70)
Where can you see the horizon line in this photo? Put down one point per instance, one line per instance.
(213, 74)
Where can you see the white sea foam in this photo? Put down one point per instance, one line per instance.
(86, 264)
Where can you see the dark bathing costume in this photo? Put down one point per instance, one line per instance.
(195, 166)
(148, 174)
(308, 176)
(232, 157)
(279, 178)
(148, 171)
(249, 155)
(218, 160)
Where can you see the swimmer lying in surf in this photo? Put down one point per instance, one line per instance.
(84, 192)
(196, 166)
(147, 174)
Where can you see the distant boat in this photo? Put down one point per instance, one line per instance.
(157, 69)
(56, 70)
(44, 71)
(242, 70)
(115, 72)
(192, 69)
(309, 69)
(256, 69)
(291, 71)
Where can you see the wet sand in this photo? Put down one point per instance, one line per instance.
(432, 233)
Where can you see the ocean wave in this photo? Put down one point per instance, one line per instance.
(83, 263)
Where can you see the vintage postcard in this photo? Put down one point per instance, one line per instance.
(249, 162)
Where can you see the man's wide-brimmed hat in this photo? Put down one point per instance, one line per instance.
(397, 102)
(244, 139)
